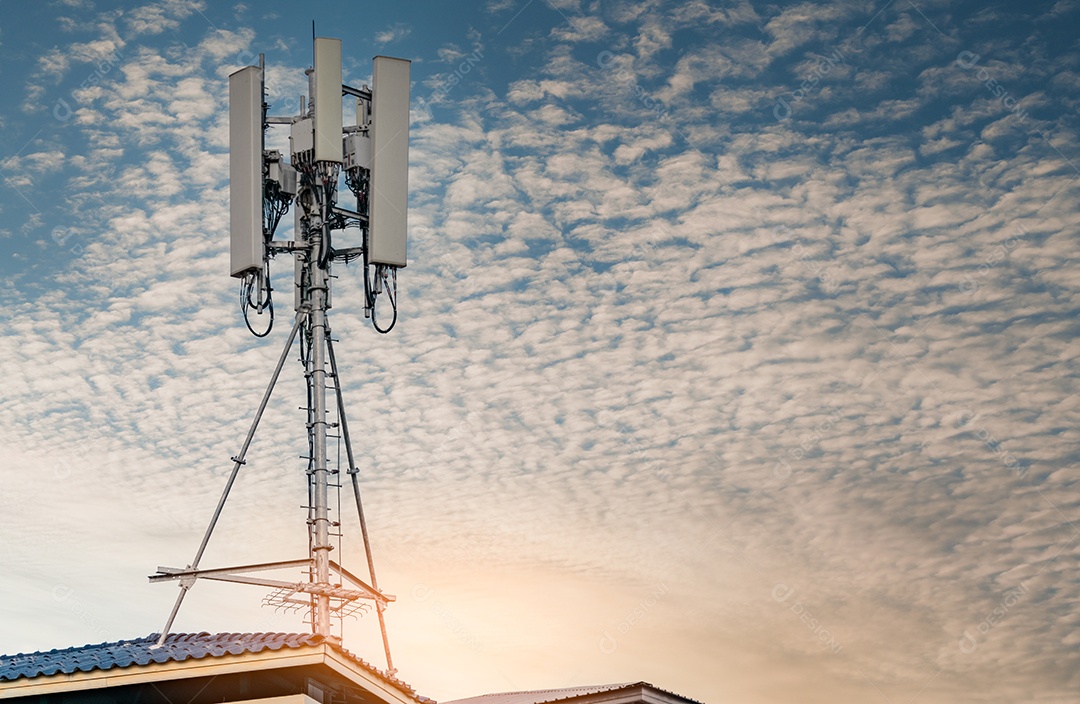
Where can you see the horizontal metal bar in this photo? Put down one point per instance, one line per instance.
(171, 573)
(226, 575)
(355, 92)
(280, 120)
(288, 245)
(345, 212)
(298, 587)
(257, 581)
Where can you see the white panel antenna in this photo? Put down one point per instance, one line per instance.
(390, 162)
(372, 157)
(247, 250)
(327, 99)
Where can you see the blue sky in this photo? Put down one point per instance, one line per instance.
(737, 350)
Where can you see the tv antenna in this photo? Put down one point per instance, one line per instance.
(371, 157)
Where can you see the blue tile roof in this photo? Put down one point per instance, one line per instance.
(177, 647)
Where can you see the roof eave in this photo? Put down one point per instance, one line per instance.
(267, 659)
(627, 694)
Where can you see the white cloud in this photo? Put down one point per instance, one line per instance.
(164, 16)
(393, 33)
(580, 28)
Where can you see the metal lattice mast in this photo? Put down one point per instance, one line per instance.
(372, 155)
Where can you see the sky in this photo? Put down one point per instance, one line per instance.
(736, 352)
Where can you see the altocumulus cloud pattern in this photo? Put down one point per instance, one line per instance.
(737, 350)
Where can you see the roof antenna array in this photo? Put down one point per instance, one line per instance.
(371, 158)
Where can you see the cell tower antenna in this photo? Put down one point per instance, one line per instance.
(371, 159)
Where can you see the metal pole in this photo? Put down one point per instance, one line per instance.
(238, 462)
(354, 473)
(317, 381)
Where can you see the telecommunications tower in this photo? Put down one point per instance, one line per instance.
(371, 158)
